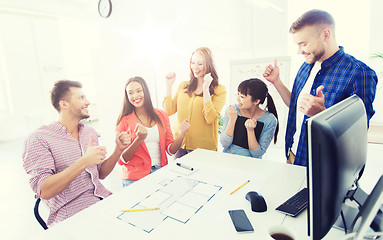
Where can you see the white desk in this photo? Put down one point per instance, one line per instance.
(275, 181)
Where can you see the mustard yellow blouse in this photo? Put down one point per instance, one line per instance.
(203, 117)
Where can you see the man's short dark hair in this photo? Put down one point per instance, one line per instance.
(60, 91)
(311, 18)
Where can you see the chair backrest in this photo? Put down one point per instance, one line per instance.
(37, 215)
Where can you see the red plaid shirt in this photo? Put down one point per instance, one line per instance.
(50, 150)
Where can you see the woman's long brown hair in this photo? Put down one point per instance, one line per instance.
(210, 68)
(128, 108)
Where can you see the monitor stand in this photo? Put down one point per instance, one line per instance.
(350, 212)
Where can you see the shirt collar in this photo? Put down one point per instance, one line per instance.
(62, 128)
(334, 58)
(58, 126)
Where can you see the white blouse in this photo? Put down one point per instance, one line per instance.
(152, 142)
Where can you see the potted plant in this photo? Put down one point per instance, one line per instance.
(378, 55)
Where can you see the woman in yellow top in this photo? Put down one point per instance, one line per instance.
(199, 100)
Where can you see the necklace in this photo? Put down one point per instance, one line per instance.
(150, 121)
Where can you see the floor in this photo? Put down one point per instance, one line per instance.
(17, 200)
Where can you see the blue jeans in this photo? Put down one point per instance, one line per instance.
(127, 182)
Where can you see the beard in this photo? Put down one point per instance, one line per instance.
(82, 114)
(316, 55)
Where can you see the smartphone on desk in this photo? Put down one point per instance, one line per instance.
(240, 221)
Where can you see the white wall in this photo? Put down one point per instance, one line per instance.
(31, 60)
(157, 39)
(376, 46)
(42, 41)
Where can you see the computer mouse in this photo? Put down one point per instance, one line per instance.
(257, 202)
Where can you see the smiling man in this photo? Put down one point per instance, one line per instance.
(64, 159)
(327, 76)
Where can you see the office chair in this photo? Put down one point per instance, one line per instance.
(37, 214)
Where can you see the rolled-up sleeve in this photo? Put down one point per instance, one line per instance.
(265, 138)
(170, 104)
(169, 139)
(38, 162)
(213, 108)
(225, 139)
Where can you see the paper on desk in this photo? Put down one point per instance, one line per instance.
(146, 220)
(180, 212)
(194, 200)
(178, 199)
(179, 186)
(206, 189)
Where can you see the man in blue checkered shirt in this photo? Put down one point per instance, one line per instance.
(328, 76)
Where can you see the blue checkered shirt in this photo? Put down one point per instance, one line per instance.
(342, 76)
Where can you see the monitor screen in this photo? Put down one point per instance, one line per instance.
(336, 149)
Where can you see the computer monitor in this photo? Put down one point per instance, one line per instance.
(337, 150)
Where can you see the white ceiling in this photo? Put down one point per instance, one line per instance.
(67, 7)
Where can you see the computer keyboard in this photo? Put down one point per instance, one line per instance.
(296, 204)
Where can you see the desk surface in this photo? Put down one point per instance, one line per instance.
(275, 181)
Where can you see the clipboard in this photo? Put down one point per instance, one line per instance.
(240, 132)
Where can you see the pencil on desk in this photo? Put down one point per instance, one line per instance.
(137, 210)
(240, 187)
